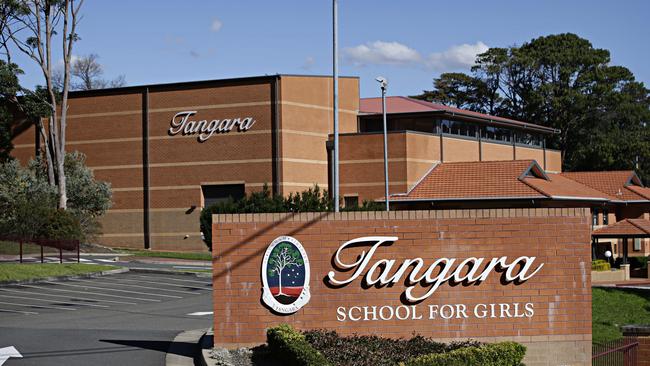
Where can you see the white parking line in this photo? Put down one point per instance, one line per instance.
(110, 289)
(17, 311)
(74, 298)
(201, 313)
(174, 279)
(46, 300)
(89, 293)
(105, 260)
(37, 306)
(124, 284)
(162, 284)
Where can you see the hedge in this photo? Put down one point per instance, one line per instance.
(373, 350)
(291, 347)
(496, 354)
(600, 265)
(311, 200)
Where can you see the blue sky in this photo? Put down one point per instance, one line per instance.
(408, 42)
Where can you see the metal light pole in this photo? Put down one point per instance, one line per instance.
(335, 108)
(383, 83)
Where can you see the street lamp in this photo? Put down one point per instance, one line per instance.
(383, 84)
(335, 104)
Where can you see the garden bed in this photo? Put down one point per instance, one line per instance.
(289, 347)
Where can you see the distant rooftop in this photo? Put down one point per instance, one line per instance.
(399, 104)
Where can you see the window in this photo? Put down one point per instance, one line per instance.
(594, 217)
(605, 218)
(221, 192)
(376, 124)
(637, 245)
(525, 138)
(496, 134)
(458, 128)
(351, 201)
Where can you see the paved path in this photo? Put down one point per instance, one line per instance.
(124, 319)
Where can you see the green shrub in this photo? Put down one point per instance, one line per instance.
(638, 262)
(313, 199)
(61, 224)
(600, 265)
(497, 354)
(362, 350)
(291, 347)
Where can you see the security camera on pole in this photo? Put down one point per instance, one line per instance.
(383, 83)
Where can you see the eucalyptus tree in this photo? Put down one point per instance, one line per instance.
(46, 31)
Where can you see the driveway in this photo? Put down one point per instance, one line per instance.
(123, 319)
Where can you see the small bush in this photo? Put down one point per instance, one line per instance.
(638, 262)
(313, 199)
(61, 224)
(600, 265)
(497, 354)
(291, 347)
(373, 350)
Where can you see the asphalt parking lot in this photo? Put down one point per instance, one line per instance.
(129, 318)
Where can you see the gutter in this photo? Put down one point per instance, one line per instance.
(465, 199)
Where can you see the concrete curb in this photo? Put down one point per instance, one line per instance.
(62, 278)
(170, 271)
(185, 348)
(172, 261)
(206, 343)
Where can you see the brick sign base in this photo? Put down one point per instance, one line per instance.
(550, 312)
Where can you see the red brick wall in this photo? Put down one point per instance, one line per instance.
(560, 292)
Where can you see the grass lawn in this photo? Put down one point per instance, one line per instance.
(174, 255)
(16, 271)
(11, 248)
(616, 307)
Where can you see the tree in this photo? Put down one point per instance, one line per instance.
(18, 110)
(28, 203)
(563, 82)
(458, 90)
(87, 73)
(25, 201)
(33, 27)
(89, 199)
(284, 255)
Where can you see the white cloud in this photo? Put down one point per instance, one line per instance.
(379, 52)
(395, 53)
(456, 57)
(216, 25)
(308, 64)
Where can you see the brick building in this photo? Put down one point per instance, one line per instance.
(170, 149)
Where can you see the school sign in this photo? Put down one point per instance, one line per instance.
(489, 275)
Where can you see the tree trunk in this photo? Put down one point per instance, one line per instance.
(63, 196)
(48, 154)
(280, 283)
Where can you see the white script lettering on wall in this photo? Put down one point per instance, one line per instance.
(182, 124)
(419, 274)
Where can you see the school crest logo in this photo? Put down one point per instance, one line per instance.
(285, 275)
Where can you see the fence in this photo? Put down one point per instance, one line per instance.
(60, 244)
(621, 352)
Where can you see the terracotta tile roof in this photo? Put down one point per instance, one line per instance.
(560, 187)
(613, 183)
(518, 179)
(399, 104)
(474, 180)
(641, 191)
(627, 227)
